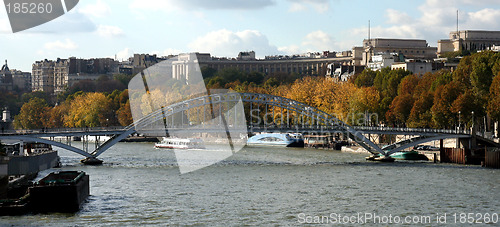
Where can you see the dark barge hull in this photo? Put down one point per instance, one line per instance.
(62, 192)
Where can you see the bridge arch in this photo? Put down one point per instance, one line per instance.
(419, 140)
(300, 108)
(50, 142)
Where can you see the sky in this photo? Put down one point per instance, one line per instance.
(109, 28)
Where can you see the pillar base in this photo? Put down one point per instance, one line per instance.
(92, 161)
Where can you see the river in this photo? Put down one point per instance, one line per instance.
(140, 185)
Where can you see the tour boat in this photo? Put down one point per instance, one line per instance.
(181, 143)
(276, 139)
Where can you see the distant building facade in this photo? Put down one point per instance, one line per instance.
(282, 64)
(416, 67)
(55, 76)
(410, 48)
(469, 40)
(6, 82)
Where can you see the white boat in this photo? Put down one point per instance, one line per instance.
(181, 143)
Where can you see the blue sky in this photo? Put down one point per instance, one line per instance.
(105, 28)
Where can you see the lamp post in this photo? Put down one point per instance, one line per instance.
(472, 118)
(459, 120)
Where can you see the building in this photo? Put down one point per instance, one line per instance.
(383, 60)
(56, 76)
(279, 64)
(21, 81)
(416, 67)
(410, 48)
(469, 40)
(139, 62)
(6, 83)
(42, 76)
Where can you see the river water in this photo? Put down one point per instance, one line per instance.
(140, 185)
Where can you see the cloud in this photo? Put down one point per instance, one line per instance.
(109, 31)
(318, 41)
(171, 5)
(315, 41)
(228, 43)
(124, 54)
(57, 47)
(483, 19)
(397, 17)
(302, 5)
(99, 9)
(67, 44)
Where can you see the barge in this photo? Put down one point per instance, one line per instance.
(62, 192)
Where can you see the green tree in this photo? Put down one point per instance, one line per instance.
(494, 98)
(365, 78)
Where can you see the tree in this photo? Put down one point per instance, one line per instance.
(443, 99)
(365, 78)
(494, 98)
(57, 115)
(400, 109)
(88, 110)
(33, 114)
(125, 115)
(421, 114)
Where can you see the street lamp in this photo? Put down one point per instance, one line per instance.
(459, 120)
(472, 118)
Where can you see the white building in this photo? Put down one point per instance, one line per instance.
(416, 67)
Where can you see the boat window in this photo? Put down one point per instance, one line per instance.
(271, 139)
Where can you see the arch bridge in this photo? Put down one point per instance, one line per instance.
(263, 112)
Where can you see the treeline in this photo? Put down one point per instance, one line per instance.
(78, 110)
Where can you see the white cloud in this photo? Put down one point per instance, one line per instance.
(318, 41)
(99, 9)
(109, 31)
(315, 41)
(302, 5)
(124, 54)
(57, 47)
(228, 43)
(290, 50)
(398, 17)
(67, 44)
(483, 19)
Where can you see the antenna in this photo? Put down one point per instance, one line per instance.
(369, 31)
(458, 33)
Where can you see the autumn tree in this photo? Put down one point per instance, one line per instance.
(124, 114)
(33, 114)
(444, 97)
(88, 110)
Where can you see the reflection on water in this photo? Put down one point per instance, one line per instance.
(142, 185)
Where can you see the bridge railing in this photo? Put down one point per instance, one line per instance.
(61, 130)
(412, 130)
